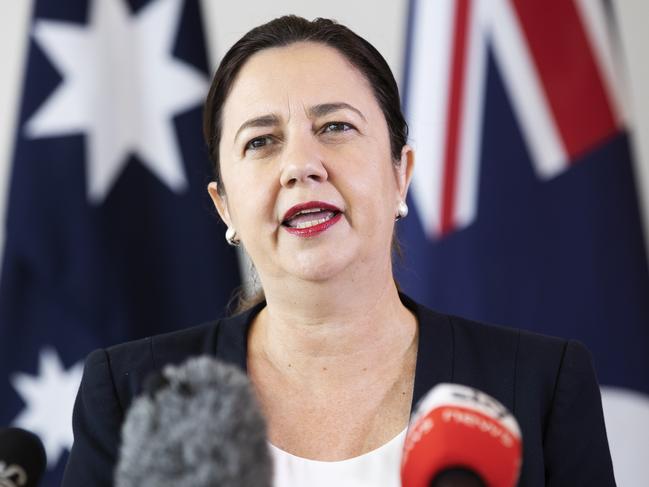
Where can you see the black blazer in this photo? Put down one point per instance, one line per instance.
(548, 383)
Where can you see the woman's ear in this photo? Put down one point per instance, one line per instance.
(404, 170)
(220, 203)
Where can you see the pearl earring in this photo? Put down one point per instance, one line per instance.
(231, 236)
(402, 210)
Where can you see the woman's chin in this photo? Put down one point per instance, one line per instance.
(318, 266)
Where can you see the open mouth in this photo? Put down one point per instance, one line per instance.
(310, 218)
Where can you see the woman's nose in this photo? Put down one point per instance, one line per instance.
(302, 163)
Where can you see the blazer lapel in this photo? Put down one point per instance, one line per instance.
(435, 349)
(232, 342)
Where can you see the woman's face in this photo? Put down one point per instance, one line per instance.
(310, 186)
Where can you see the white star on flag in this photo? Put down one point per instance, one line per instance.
(49, 399)
(121, 87)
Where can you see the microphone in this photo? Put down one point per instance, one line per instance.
(461, 437)
(198, 425)
(22, 458)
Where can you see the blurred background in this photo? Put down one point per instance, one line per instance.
(529, 204)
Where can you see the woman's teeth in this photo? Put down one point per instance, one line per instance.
(313, 223)
(310, 218)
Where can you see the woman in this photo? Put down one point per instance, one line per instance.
(312, 168)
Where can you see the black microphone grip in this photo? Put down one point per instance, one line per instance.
(457, 477)
(22, 458)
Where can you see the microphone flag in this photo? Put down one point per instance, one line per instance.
(458, 428)
(524, 204)
(110, 234)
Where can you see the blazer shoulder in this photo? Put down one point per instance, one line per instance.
(485, 330)
(509, 362)
(158, 350)
(496, 359)
(495, 339)
(129, 363)
(467, 331)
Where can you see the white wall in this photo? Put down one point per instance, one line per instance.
(632, 16)
(382, 23)
(14, 20)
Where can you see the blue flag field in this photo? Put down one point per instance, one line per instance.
(110, 234)
(525, 210)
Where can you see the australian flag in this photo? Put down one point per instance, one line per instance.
(110, 235)
(525, 211)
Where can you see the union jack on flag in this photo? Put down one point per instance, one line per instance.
(560, 76)
(524, 203)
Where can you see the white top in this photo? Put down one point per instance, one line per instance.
(378, 468)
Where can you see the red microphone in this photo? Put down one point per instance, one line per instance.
(460, 436)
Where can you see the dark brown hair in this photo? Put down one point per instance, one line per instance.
(285, 31)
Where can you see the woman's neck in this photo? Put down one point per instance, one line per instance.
(334, 332)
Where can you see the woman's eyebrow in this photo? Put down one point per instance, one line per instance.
(320, 110)
(326, 108)
(269, 120)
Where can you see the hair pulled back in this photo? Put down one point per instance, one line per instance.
(288, 30)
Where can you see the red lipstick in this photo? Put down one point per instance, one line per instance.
(333, 215)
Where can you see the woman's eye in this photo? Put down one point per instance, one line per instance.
(337, 127)
(258, 143)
